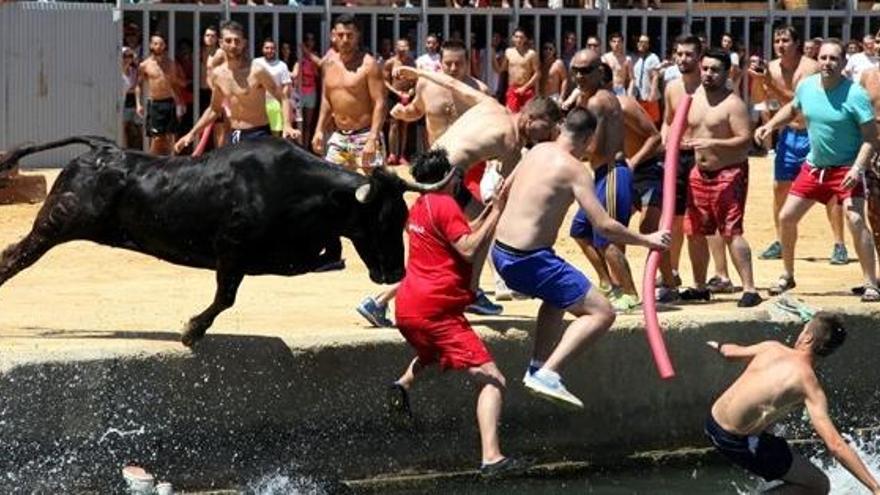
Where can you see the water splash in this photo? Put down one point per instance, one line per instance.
(279, 483)
(842, 481)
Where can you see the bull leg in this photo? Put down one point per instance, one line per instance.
(227, 286)
(52, 227)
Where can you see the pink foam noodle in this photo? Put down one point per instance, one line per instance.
(670, 170)
(203, 140)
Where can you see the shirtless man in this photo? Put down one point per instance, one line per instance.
(163, 78)
(554, 77)
(621, 64)
(523, 70)
(719, 132)
(687, 55)
(354, 98)
(399, 91)
(240, 88)
(871, 82)
(613, 179)
(486, 131)
(440, 106)
(542, 189)
(782, 77)
(776, 380)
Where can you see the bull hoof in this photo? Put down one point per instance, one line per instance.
(191, 334)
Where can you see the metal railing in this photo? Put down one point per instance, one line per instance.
(752, 27)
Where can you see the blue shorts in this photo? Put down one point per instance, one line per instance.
(615, 192)
(766, 455)
(791, 152)
(540, 273)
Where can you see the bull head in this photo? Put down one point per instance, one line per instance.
(367, 192)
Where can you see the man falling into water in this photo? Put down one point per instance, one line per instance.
(777, 379)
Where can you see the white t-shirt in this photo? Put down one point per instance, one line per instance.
(278, 70)
(859, 63)
(430, 62)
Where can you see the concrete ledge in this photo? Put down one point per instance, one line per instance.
(242, 405)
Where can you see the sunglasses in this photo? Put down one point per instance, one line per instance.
(583, 70)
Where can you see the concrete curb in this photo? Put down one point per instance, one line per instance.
(239, 406)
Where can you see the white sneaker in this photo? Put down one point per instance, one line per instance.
(502, 291)
(548, 385)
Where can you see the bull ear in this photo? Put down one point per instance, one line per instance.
(365, 193)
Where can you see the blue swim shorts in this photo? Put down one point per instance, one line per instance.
(540, 273)
(766, 455)
(791, 152)
(615, 191)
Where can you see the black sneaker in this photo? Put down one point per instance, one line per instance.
(398, 401)
(749, 300)
(694, 294)
(509, 466)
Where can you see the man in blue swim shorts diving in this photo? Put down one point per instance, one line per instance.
(543, 186)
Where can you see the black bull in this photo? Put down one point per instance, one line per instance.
(265, 207)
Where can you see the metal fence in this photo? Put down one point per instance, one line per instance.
(753, 28)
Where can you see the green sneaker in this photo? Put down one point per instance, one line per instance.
(839, 256)
(625, 303)
(773, 252)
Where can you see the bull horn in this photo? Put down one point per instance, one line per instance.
(426, 188)
(364, 193)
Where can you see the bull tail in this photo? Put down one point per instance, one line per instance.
(10, 159)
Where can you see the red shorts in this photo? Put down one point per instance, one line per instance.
(472, 179)
(717, 200)
(448, 340)
(515, 102)
(824, 184)
(652, 108)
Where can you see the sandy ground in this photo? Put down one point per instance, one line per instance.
(83, 300)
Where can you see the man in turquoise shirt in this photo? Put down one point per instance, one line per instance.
(843, 137)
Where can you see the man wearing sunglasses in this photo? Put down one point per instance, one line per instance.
(614, 181)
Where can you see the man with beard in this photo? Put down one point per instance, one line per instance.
(523, 70)
(782, 77)
(281, 74)
(719, 132)
(399, 91)
(688, 50)
(843, 139)
(163, 80)
(240, 89)
(210, 56)
(354, 98)
(613, 179)
(542, 189)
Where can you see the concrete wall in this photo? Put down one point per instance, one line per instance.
(240, 406)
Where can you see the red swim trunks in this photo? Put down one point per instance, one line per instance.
(717, 200)
(472, 180)
(824, 184)
(515, 102)
(448, 340)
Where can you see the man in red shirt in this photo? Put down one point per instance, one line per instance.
(434, 293)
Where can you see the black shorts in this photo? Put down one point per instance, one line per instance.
(686, 161)
(250, 134)
(648, 183)
(766, 455)
(161, 117)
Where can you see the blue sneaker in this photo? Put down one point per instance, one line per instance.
(548, 385)
(483, 306)
(773, 252)
(839, 256)
(374, 313)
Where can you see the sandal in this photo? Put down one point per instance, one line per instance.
(398, 401)
(785, 283)
(871, 294)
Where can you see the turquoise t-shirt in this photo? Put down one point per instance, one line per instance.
(833, 120)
